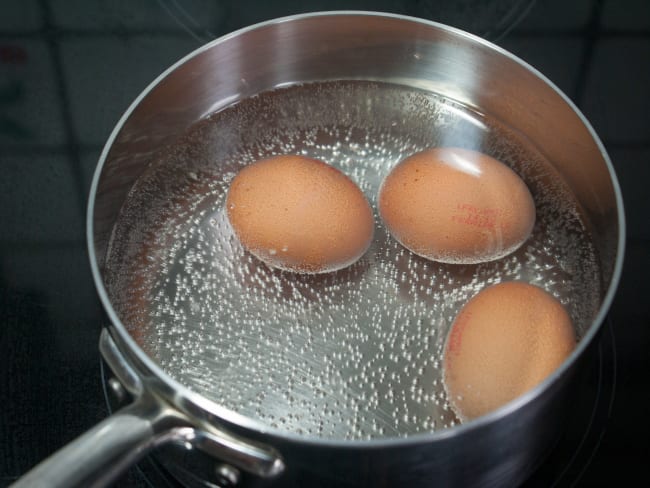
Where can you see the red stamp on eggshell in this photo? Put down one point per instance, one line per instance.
(474, 216)
(456, 334)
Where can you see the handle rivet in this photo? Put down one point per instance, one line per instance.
(118, 391)
(227, 476)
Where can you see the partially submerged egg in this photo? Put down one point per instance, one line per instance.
(299, 214)
(506, 340)
(456, 206)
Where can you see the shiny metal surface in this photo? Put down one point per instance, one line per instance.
(117, 390)
(173, 428)
(501, 447)
(227, 475)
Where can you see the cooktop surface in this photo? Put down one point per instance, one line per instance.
(69, 69)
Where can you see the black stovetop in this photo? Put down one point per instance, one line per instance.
(69, 69)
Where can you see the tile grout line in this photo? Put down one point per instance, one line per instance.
(36, 245)
(76, 33)
(71, 146)
(68, 33)
(593, 34)
(45, 149)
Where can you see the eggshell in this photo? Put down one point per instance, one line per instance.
(456, 206)
(506, 340)
(299, 214)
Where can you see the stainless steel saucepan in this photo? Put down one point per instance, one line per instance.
(238, 373)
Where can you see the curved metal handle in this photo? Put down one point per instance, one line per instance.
(253, 457)
(101, 454)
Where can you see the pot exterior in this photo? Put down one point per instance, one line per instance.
(499, 449)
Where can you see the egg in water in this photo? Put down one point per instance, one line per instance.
(506, 340)
(456, 205)
(299, 214)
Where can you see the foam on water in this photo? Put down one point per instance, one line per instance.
(354, 354)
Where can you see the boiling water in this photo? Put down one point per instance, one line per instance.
(354, 354)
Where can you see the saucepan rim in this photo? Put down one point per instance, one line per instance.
(214, 409)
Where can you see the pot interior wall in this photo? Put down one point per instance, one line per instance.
(387, 49)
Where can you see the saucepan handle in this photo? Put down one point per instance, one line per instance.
(101, 454)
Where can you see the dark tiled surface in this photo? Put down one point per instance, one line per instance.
(616, 95)
(89, 67)
(30, 109)
(29, 17)
(620, 459)
(558, 58)
(626, 15)
(42, 193)
(126, 16)
(40, 268)
(632, 169)
(69, 69)
(557, 15)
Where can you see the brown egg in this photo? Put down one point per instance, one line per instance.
(506, 340)
(456, 206)
(299, 214)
